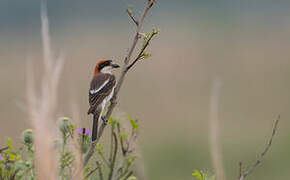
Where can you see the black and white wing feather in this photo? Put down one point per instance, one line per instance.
(101, 87)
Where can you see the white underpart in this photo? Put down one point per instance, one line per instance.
(94, 91)
(105, 101)
(107, 69)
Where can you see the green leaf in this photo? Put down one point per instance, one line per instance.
(197, 175)
(123, 135)
(134, 124)
(132, 178)
(155, 31)
(202, 176)
(145, 35)
(113, 121)
(9, 143)
(99, 148)
(72, 128)
(130, 6)
(145, 55)
(14, 157)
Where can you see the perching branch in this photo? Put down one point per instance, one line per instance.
(124, 71)
(127, 59)
(258, 162)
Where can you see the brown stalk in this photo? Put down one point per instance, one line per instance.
(90, 173)
(112, 167)
(100, 170)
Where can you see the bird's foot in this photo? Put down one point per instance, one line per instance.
(104, 120)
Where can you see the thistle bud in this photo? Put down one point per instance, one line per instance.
(28, 136)
(64, 125)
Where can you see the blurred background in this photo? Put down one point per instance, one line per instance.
(243, 43)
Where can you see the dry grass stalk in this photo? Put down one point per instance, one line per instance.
(42, 105)
(214, 131)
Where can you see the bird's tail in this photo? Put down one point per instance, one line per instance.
(96, 116)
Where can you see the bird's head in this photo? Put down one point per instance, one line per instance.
(105, 66)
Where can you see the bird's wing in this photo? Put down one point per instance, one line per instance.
(101, 87)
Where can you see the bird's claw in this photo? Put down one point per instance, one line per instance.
(104, 120)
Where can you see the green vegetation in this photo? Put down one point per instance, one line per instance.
(18, 163)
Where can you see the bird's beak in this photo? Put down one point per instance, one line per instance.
(115, 66)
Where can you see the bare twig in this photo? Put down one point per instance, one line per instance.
(124, 70)
(259, 160)
(129, 12)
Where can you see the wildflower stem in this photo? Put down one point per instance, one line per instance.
(104, 159)
(111, 144)
(128, 175)
(121, 141)
(90, 173)
(112, 170)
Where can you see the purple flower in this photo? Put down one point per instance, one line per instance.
(81, 130)
(1, 157)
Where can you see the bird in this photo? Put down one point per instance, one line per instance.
(101, 91)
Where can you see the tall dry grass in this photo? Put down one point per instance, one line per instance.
(42, 104)
(214, 143)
